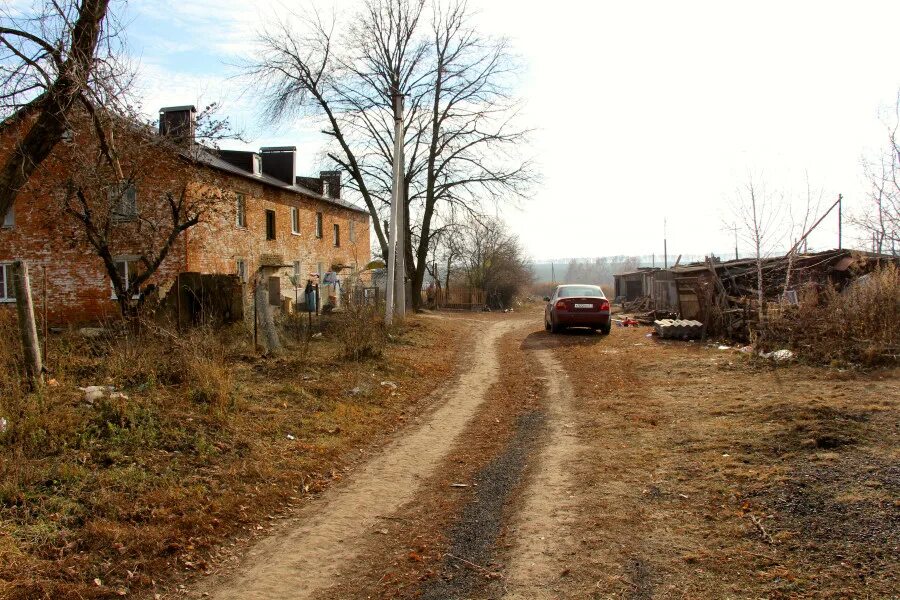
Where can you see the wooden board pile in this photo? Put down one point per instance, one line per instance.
(678, 329)
(650, 317)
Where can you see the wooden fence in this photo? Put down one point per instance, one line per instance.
(457, 298)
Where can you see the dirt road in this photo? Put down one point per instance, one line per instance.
(589, 466)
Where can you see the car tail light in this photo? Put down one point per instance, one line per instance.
(604, 305)
(561, 305)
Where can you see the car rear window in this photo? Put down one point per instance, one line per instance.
(570, 291)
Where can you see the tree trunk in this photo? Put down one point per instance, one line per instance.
(266, 321)
(54, 105)
(31, 348)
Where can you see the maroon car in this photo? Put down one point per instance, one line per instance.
(577, 306)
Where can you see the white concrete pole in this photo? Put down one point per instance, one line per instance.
(400, 195)
(390, 285)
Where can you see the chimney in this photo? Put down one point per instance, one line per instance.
(178, 123)
(331, 183)
(278, 162)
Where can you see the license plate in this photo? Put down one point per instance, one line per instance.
(584, 306)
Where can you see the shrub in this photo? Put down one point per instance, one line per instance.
(361, 332)
(860, 324)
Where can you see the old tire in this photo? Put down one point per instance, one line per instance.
(605, 329)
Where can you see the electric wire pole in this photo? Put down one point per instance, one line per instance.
(395, 292)
(665, 246)
(734, 228)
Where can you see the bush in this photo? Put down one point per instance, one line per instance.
(860, 324)
(361, 332)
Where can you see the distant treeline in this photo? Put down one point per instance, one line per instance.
(598, 270)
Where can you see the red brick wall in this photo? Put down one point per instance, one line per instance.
(78, 288)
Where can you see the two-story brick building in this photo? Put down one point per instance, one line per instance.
(276, 224)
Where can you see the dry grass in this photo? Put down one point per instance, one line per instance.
(860, 325)
(209, 440)
(710, 477)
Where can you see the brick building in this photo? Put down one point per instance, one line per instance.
(272, 223)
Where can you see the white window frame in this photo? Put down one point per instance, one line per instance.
(326, 188)
(241, 266)
(295, 220)
(240, 206)
(7, 290)
(126, 260)
(9, 221)
(257, 165)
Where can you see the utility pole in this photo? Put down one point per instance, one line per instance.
(395, 296)
(665, 246)
(734, 228)
(552, 274)
(840, 198)
(400, 185)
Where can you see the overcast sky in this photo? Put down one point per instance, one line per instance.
(643, 111)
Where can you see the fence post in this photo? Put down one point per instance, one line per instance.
(31, 347)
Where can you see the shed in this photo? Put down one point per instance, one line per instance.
(634, 284)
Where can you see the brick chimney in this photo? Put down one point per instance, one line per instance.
(331, 183)
(278, 162)
(178, 123)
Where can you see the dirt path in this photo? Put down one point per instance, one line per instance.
(611, 467)
(542, 531)
(309, 552)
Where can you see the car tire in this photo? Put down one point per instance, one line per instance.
(546, 325)
(554, 328)
(605, 329)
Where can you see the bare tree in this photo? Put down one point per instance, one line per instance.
(879, 221)
(447, 249)
(130, 195)
(758, 213)
(494, 261)
(799, 219)
(58, 55)
(461, 140)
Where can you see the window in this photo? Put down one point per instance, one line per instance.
(7, 291)
(123, 202)
(10, 220)
(127, 268)
(319, 225)
(240, 210)
(572, 291)
(270, 224)
(297, 269)
(351, 230)
(295, 220)
(242, 270)
(337, 235)
(257, 164)
(326, 188)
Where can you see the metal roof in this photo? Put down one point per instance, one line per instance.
(207, 157)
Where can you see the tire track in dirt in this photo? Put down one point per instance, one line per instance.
(541, 531)
(299, 563)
